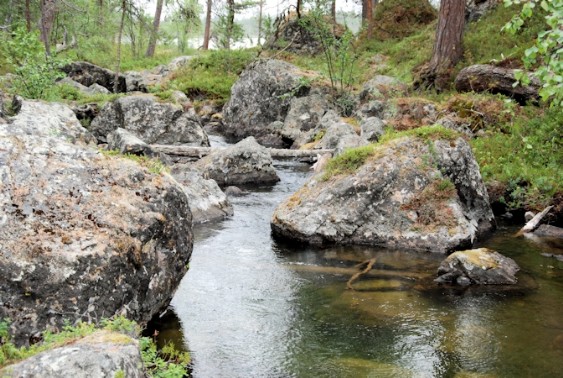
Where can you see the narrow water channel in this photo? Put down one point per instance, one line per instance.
(252, 307)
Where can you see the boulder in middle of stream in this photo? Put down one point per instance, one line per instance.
(412, 192)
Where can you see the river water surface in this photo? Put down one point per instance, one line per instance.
(252, 307)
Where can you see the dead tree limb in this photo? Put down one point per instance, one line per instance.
(368, 265)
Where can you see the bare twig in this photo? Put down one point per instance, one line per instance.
(369, 265)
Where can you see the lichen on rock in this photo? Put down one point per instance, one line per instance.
(414, 193)
(83, 235)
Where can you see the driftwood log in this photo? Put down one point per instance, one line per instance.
(534, 222)
(489, 78)
(199, 152)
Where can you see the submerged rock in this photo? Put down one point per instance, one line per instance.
(246, 162)
(150, 120)
(478, 266)
(101, 354)
(82, 235)
(411, 193)
(261, 96)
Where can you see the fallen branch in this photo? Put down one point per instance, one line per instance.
(534, 222)
(369, 264)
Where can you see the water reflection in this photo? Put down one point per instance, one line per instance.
(252, 307)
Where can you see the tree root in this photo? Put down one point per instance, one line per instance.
(368, 266)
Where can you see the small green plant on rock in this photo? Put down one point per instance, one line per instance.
(349, 161)
(339, 57)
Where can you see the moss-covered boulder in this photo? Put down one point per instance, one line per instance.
(478, 266)
(101, 354)
(419, 193)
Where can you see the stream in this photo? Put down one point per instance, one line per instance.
(253, 307)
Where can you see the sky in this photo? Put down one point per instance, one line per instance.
(271, 7)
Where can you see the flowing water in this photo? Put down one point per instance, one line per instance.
(253, 307)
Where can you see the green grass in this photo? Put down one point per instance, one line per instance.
(168, 362)
(212, 74)
(527, 158)
(352, 159)
(484, 42)
(152, 164)
(349, 161)
(432, 132)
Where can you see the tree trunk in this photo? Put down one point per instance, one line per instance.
(299, 7)
(28, 15)
(333, 11)
(447, 48)
(367, 15)
(207, 34)
(119, 35)
(100, 12)
(261, 7)
(155, 26)
(48, 11)
(230, 23)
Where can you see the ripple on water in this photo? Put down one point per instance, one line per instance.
(252, 307)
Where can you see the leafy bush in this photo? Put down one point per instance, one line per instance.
(339, 56)
(547, 49)
(35, 72)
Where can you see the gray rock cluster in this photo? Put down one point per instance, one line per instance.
(261, 96)
(152, 121)
(82, 235)
(91, 78)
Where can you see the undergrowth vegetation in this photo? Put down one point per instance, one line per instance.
(211, 75)
(152, 164)
(168, 362)
(526, 157)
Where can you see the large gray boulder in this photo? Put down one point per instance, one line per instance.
(246, 162)
(480, 266)
(152, 121)
(82, 235)
(475, 9)
(207, 201)
(261, 96)
(101, 354)
(410, 193)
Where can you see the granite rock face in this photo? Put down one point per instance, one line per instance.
(83, 236)
(410, 193)
(151, 121)
(261, 96)
(101, 354)
(246, 162)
